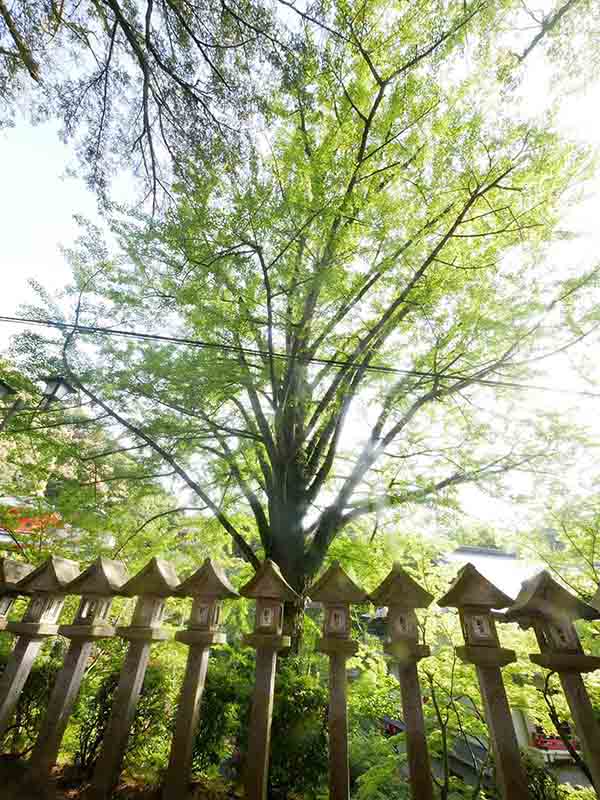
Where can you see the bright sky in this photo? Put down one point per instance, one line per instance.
(37, 205)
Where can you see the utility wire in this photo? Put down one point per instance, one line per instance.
(339, 363)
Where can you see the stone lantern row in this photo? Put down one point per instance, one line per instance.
(542, 604)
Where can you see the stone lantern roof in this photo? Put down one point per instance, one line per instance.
(52, 576)
(103, 577)
(158, 579)
(336, 586)
(268, 583)
(11, 572)
(542, 596)
(208, 581)
(400, 589)
(470, 588)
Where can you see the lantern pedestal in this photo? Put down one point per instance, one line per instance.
(106, 773)
(259, 739)
(403, 595)
(339, 651)
(486, 656)
(475, 597)
(569, 667)
(566, 662)
(507, 758)
(270, 590)
(46, 585)
(62, 700)
(156, 581)
(406, 658)
(188, 710)
(16, 673)
(97, 586)
(551, 610)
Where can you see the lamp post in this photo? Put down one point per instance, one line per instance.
(209, 587)
(402, 595)
(55, 389)
(475, 597)
(46, 585)
(548, 608)
(336, 590)
(270, 590)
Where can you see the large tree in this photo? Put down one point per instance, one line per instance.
(358, 296)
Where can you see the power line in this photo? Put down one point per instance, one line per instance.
(340, 364)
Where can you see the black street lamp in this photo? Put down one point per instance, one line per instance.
(56, 387)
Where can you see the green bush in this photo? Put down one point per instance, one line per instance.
(376, 767)
(299, 761)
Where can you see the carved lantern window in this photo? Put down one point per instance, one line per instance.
(92, 609)
(44, 608)
(269, 616)
(561, 635)
(206, 614)
(148, 611)
(337, 620)
(479, 627)
(402, 624)
(6, 603)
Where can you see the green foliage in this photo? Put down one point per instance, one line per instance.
(377, 768)
(543, 785)
(92, 715)
(299, 754)
(225, 706)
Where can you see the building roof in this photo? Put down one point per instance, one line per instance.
(11, 572)
(51, 576)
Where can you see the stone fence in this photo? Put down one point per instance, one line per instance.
(542, 604)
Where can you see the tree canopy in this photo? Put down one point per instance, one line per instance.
(145, 86)
(360, 293)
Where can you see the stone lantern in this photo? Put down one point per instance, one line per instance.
(11, 572)
(208, 587)
(548, 608)
(46, 585)
(270, 590)
(97, 585)
(402, 595)
(337, 591)
(152, 585)
(475, 597)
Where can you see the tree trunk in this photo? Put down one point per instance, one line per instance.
(293, 626)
